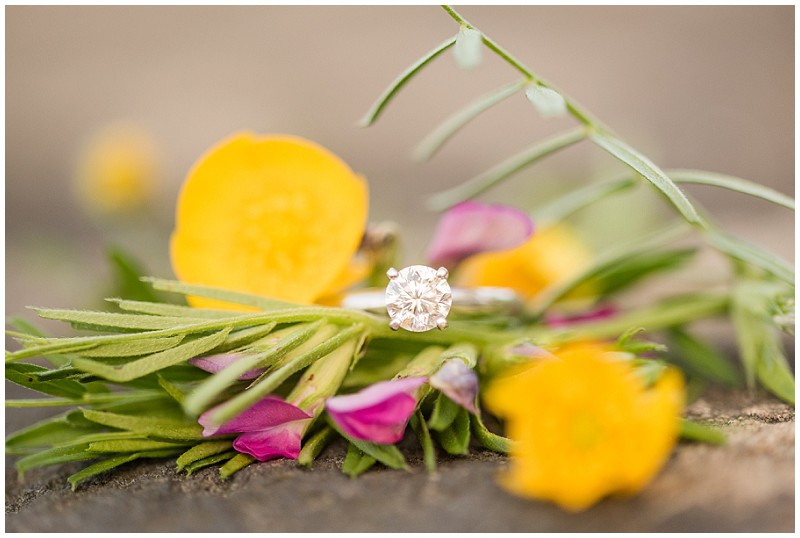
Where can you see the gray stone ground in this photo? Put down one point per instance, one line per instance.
(747, 485)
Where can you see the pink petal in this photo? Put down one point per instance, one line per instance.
(530, 351)
(269, 412)
(283, 441)
(216, 363)
(378, 413)
(473, 227)
(458, 382)
(596, 314)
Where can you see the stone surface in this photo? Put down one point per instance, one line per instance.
(747, 485)
(418, 298)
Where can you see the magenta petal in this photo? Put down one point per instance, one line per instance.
(473, 227)
(216, 363)
(595, 314)
(282, 441)
(378, 413)
(269, 412)
(458, 382)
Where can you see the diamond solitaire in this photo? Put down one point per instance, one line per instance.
(418, 298)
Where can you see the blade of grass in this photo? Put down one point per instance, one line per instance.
(732, 183)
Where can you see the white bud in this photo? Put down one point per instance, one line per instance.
(468, 48)
(547, 101)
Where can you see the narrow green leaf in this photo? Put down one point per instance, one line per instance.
(401, 81)
(488, 179)
(388, 455)
(133, 445)
(132, 348)
(152, 363)
(439, 136)
(425, 441)
(202, 451)
(112, 320)
(773, 370)
(290, 338)
(26, 375)
(211, 460)
(694, 431)
(652, 173)
(233, 297)
(314, 446)
(323, 342)
(172, 310)
(127, 273)
(90, 399)
(577, 199)
(113, 462)
(444, 413)
(29, 328)
(356, 462)
(733, 183)
(53, 456)
(699, 358)
(748, 253)
(629, 272)
(172, 389)
(48, 432)
(158, 428)
(455, 439)
(235, 464)
(487, 439)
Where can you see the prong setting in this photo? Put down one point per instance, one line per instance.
(418, 298)
(442, 272)
(394, 324)
(392, 273)
(441, 324)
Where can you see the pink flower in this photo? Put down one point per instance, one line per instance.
(271, 428)
(216, 363)
(473, 227)
(562, 321)
(458, 382)
(378, 413)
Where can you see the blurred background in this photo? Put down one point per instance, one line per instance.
(144, 91)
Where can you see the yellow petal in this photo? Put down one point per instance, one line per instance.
(275, 216)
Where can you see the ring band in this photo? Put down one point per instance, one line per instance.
(480, 300)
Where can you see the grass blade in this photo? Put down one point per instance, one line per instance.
(235, 464)
(744, 251)
(694, 431)
(202, 451)
(401, 81)
(211, 460)
(157, 428)
(732, 183)
(425, 441)
(133, 445)
(699, 358)
(488, 179)
(232, 297)
(575, 200)
(652, 173)
(25, 375)
(112, 320)
(356, 462)
(439, 136)
(172, 310)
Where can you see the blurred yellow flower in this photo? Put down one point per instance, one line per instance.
(585, 425)
(275, 216)
(549, 256)
(117, 171)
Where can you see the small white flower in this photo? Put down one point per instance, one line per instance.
(468, 48)
(547, 101)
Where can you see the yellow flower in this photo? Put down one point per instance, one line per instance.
(117, 172)
(275, 216)
(584, 425)
(551, 255)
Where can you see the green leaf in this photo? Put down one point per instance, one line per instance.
(697, 357)
(744, 251)
(127, 273)
(202, 451)
(133, 445)
(577, 199)
(733, 183)
(172, 310)
(132, 348)
(389, 455)
(488, 179)
(356, 462)
(439, 136)
(233, 297)
(211, 460)
(627, 343)
(88, 398)
(323, 342)
(152, 363)
(636, 268)
(455, 439)
(112, 320)
(235, 464)
(48, 432)
(114, 462)
(487, 439)
(289, 339)
(425, 441)
(314, 446)
(694, 431)
(444, 413)
(29, 328)
(155, 427)
(26, 375)
(644, 167)
(53, 456)
(401, 81)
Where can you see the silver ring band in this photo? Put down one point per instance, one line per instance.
(480, 300)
